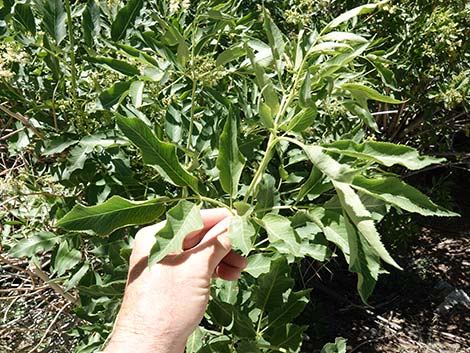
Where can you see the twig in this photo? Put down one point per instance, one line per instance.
(23, 119)
(49, 328)
(42, 275)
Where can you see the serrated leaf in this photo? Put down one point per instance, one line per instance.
(24, 15)
(258, 264)
(385, 153)
(360, 10)
(363, 261)
(281, 234)
(54, 16)
(328, 165)
(113, 214)
(159, 154)
(242, 325)
(363, 93)
(181, 220)
(230, 161)
(333, 227)
(40, 242)
(66, 258)
(125, 19)
(362, 220)
(400, 194)
(91, 23)
(241, 232)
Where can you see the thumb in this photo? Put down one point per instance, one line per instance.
(213, 247)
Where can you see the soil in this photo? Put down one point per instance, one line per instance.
(403, 315)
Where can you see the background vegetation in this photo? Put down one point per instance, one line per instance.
(278, 111)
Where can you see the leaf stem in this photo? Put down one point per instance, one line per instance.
(73, 69)
(273, 140)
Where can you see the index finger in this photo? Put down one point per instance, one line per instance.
(210, 217)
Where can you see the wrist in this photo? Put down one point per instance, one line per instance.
(144, 342)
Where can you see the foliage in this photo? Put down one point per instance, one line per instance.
(133, 109)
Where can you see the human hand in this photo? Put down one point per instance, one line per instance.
(163, 304)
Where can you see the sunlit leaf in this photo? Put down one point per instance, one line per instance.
(125, 19)
(113, 214)
(181, 220)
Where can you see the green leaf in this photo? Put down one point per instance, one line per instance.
(230, 161)
(363, 260)
(384, 153)
(281, 234)
(247, 347)
(54, 16)
(361, 10)
(338, 347)
(266, 115)
(276, 40)
(113, 214)
(195, 341)
(305, 98)
(221, 313)
(343, 37)
(315, 185)
(113, 95)
(258, 264)
(267, 196)
(229, 55)
(117, 65)
(159, 154)
(289, 337)
(284, 314)
(136, 92)
(181, 220)
(363, 93)
(333, 227)
(362, 220)
(363, 113)
(241, 232)
(77, 276)
(125, 19)
(28, 247)
(91, 22)
(302, 120)
(268, 294)
(400, 194)
(242, 325)
(66, 258)
(24, 16)
(387, 75)
(327, 165)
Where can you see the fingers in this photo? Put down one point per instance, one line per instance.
(210, 218)
(231, 266)
(228, 272)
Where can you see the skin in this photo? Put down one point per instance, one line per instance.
(163, 304)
